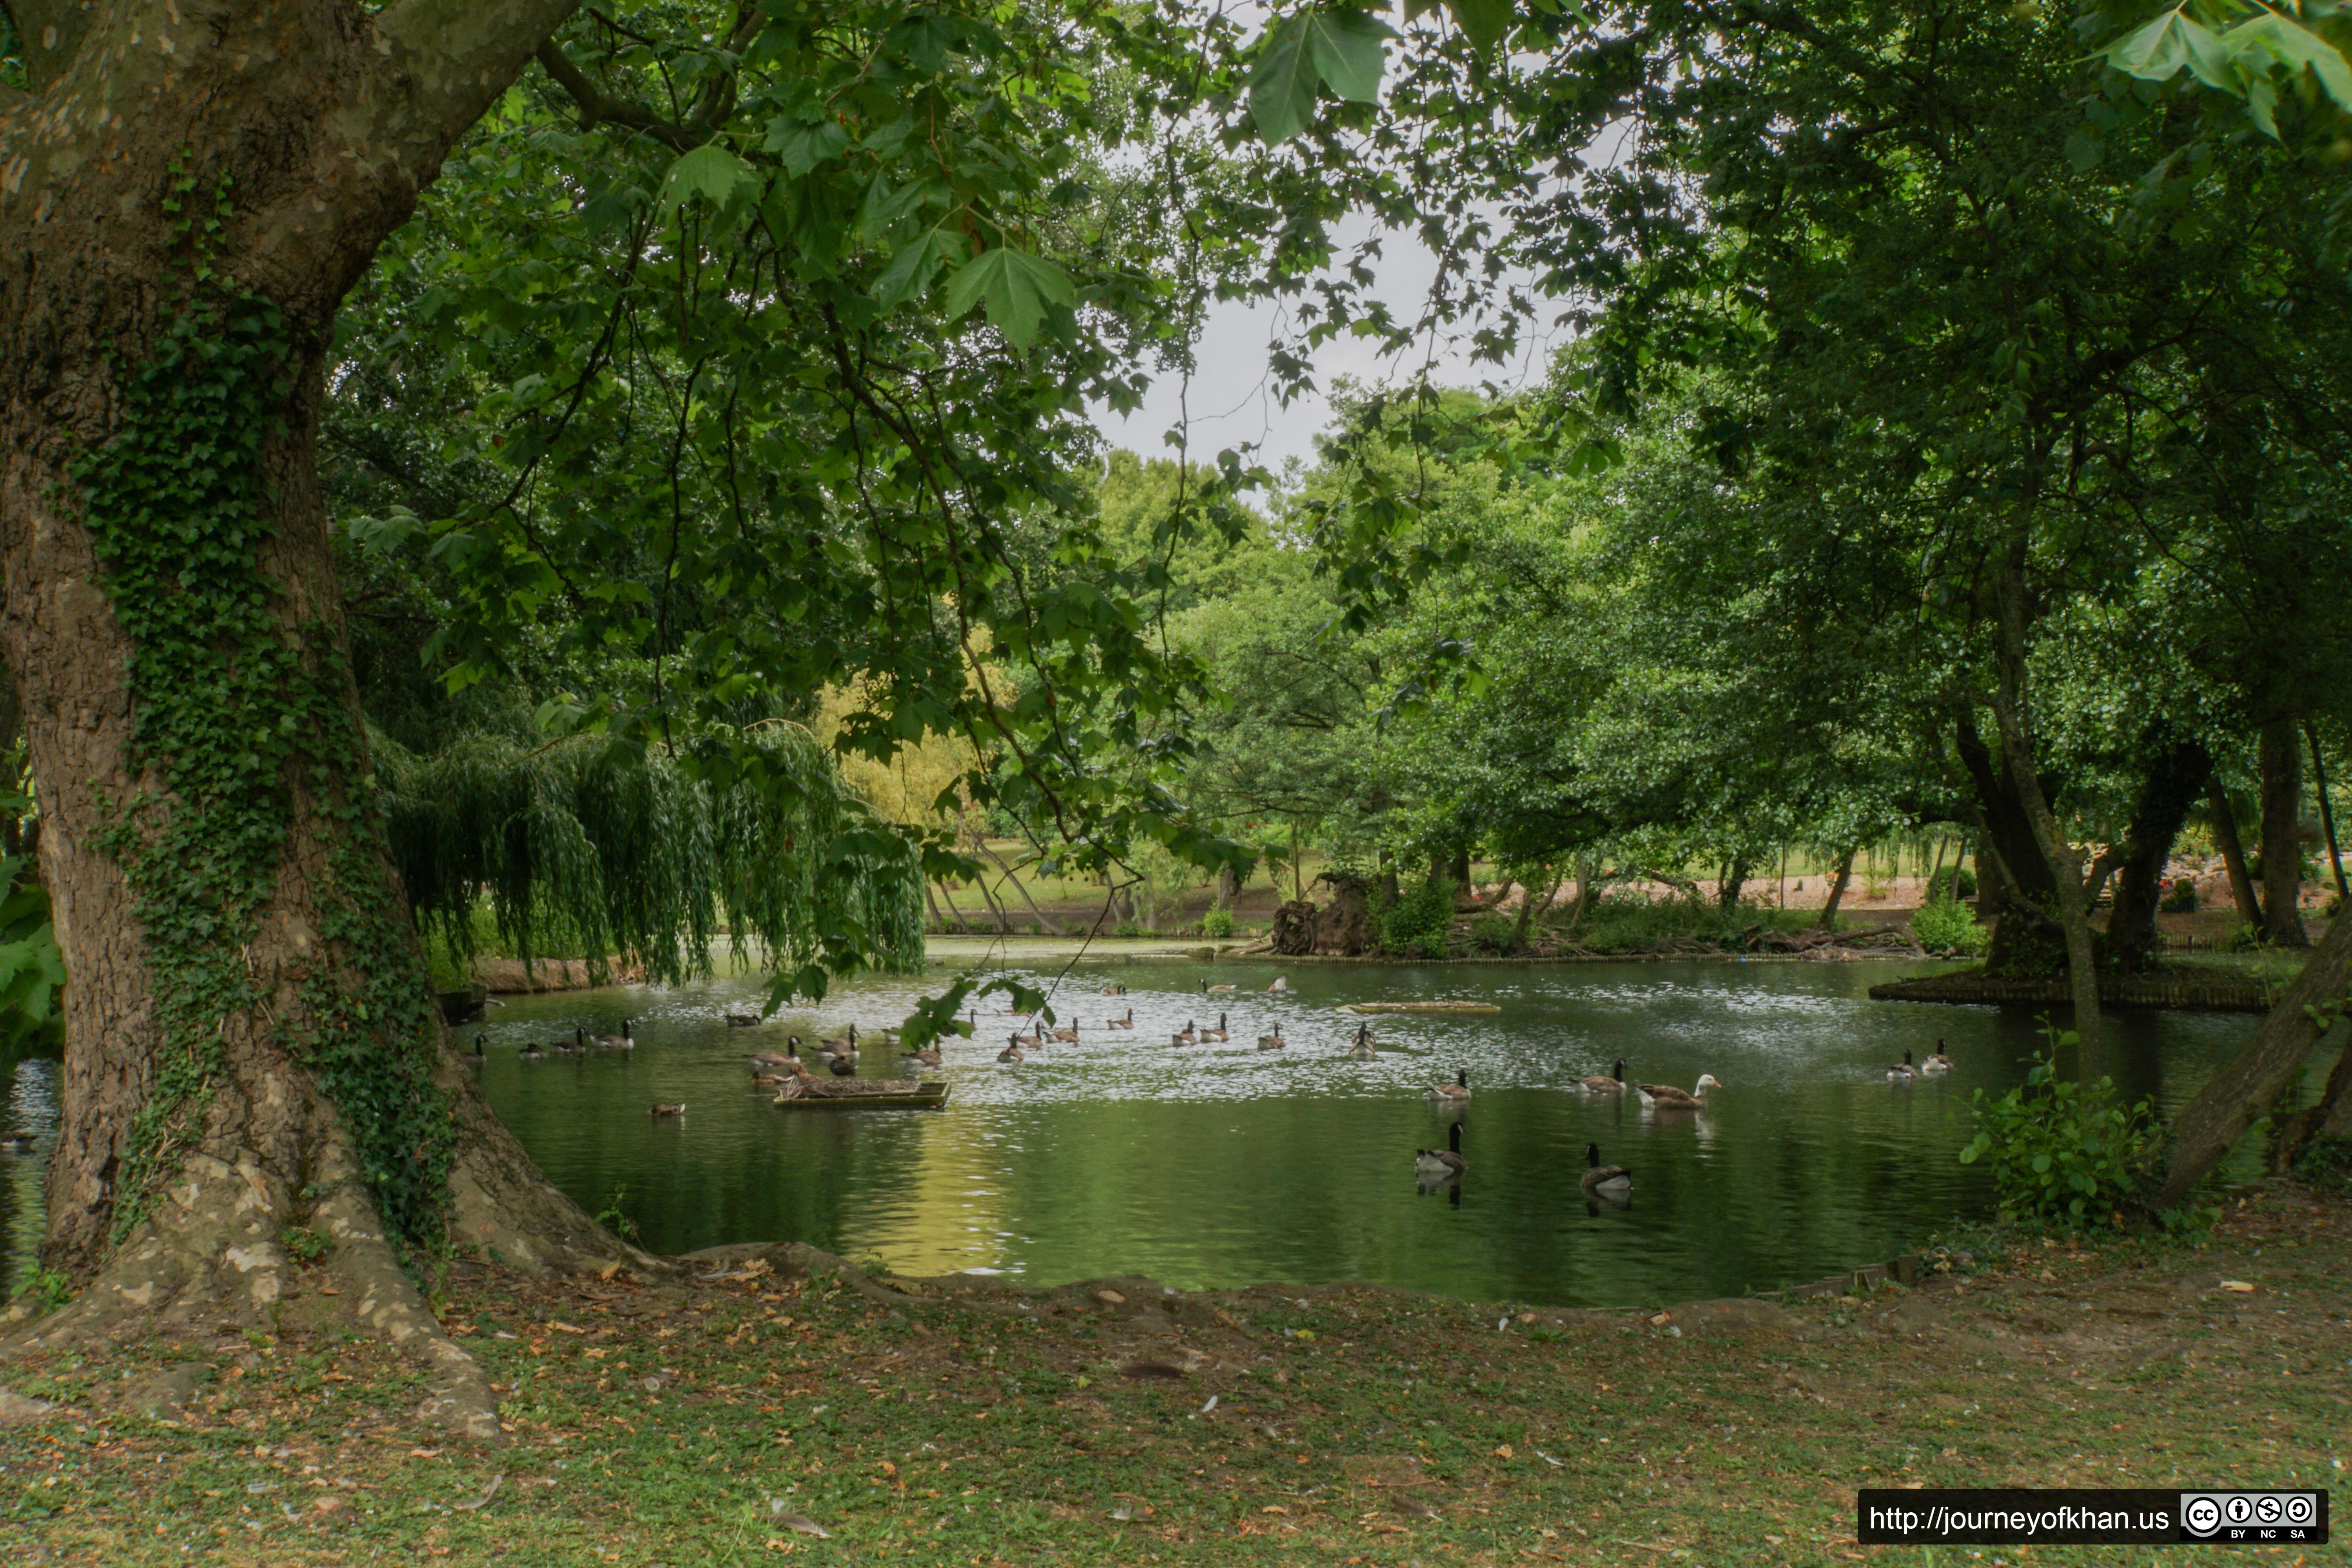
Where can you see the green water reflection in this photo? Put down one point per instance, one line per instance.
(1220, 1164)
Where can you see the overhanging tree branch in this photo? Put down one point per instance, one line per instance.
(598, 108)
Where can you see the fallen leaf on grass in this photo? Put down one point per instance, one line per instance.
(802, 1524)
(1274, 1507)
(1415, 1508)
(1123, 1512)
(2239, 1285)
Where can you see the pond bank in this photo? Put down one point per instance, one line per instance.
(2202, 990)
(961, 1420)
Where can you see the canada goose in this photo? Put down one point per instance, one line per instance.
(1361, 1047)
(742, 1020)
(1213, 990)
(657, 1109)
(1011, 1053)
(16, 1144)
(1609, 1181)
(1032, 1040)
(1115, 989)
(1219, 1032)
(533, 1053)
(1185, 1036)
(840, 1045)
(1281, 982)
(1272, 1042)
(771, 1059)
(622, 1041)
(576, 1045)
(1901, 1071)
(1614, 1083)
(1667, 1097)
(1455, 1093)
(1441, 1163)
(842, 1066)
(1126, 1023)
(929, 1055)
(1938, 1062)
(1068, 1036)
(477, 1045)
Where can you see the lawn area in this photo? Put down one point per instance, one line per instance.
(965, 1421)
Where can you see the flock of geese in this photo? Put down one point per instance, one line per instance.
(789, 1074)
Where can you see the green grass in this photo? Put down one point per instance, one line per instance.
(981, 1423)
(1628, 924)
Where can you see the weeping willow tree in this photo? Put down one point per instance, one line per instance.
(592, 846)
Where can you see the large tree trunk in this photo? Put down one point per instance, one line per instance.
(248, 1045)
(2063, 860)
(2175, 778)
(2015, 891)
(2203, 1135)
(1837, 890)
(1735, 881)
(2280, 754)
(2233, 852)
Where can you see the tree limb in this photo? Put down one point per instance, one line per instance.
(596, 107)
(449, 60)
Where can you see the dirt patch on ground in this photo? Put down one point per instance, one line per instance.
(733, 1415)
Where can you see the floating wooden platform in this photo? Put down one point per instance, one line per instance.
(1422, 1007)
(2186, 993)
(921, 1097)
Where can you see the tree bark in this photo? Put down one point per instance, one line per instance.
(2233, 852)
(316, 124)
(2174, 777)
(2281, 759)
(2015, 891)
(1735, 878)
(2327, 819)
(2061, 858)
(1837, 890)
(2209, 1126)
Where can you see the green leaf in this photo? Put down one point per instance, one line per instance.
(710, 171)
(1482, 22)
(911, 270)
(1282, 83)
(2294, 46)
(2155, 52)
(1340, 49)
(800, 148)
(1018, 288)
(1350, 52)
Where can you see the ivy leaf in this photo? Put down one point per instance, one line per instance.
(1341, 49)
(711, 171)
(1018, 288)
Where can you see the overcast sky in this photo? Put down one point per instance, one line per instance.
(1231, 401)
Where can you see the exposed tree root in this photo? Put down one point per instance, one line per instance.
(212, 1259)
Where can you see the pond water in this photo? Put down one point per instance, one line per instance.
(1220, 1164)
